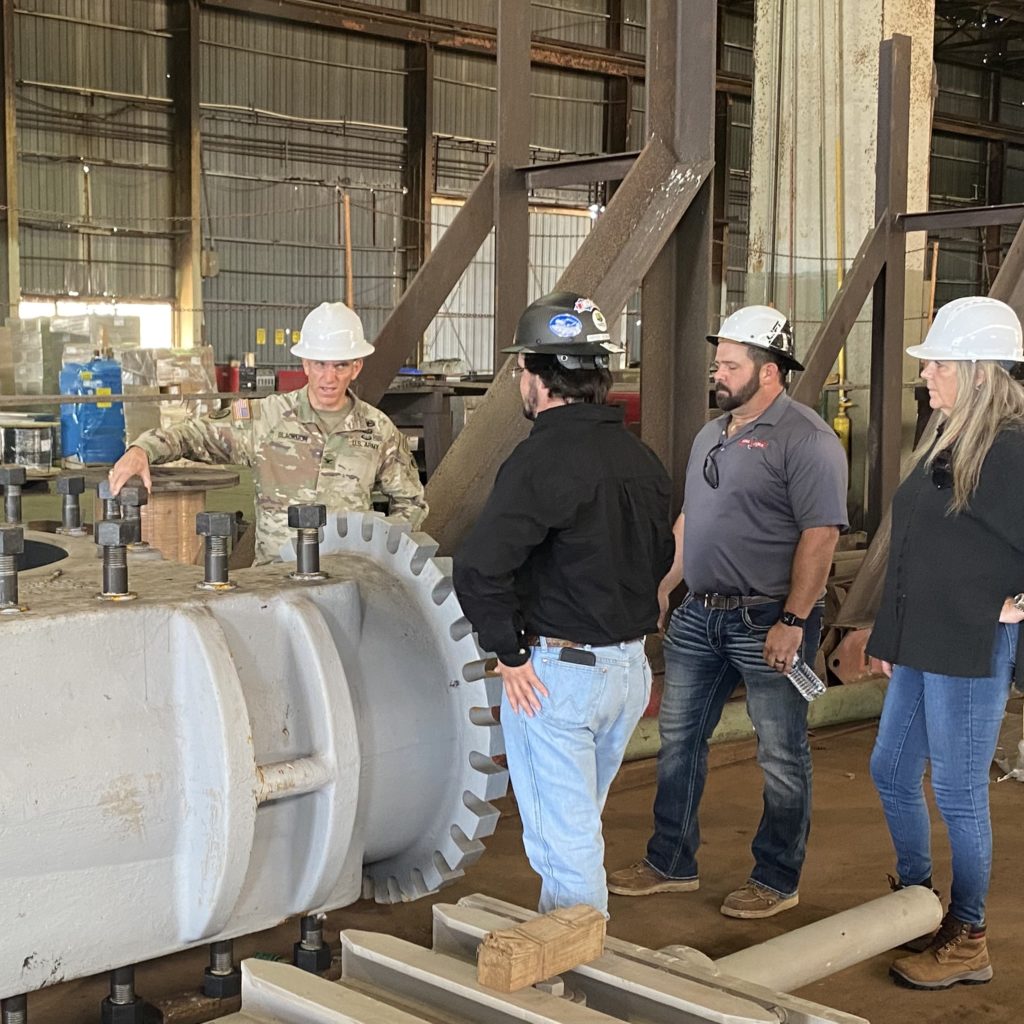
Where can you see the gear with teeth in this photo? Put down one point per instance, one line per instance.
(452, 840)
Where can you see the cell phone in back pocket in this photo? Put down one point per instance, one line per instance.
(576, 656)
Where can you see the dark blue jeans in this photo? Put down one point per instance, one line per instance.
(952, 722)
(707, 653)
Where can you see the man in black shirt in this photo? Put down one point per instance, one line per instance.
(559, 576)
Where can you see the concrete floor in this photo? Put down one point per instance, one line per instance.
(848, 858)
(849, 855)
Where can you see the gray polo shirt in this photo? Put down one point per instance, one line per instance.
(782, 474)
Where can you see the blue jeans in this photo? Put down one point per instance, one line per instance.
(563, 759)
(707, 653)
(952, 721)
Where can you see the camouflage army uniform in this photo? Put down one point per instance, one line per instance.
(293, 462)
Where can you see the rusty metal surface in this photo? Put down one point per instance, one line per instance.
(511, 197)
(888, 308)
(399, 337)
(607, 167)
(969, 217)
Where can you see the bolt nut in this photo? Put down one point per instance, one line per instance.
(222, 986)
(12, 475)
(133, 493)
(103, 491)
(70, 484)
(215, 524)
(12, 540)
(307, 517)
(112, 533)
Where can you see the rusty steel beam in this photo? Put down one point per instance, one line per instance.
(842, 314)
(670, 176)
(885, 422)
(419, 156)
(609, 266)
(964, 217)
(441, 33)
(10, 279)
(407, 322)
(188, 246)
(511, 196)
(610, 166)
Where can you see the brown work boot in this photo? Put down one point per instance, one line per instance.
(958, 955)
(755, 900)
(640, 879)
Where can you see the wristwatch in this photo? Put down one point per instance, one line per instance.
(1018, 602)
(789, 619)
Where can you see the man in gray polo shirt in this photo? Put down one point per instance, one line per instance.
(765, 502)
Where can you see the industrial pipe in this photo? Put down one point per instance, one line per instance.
(798, 958)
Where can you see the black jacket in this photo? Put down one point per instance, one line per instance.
(573, 540)
(948, 575)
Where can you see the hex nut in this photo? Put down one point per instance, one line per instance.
(103, 491)
(112, 533)
(307, 517)
(12, 475)
(12, 540)
(70, 484)
(133, 494)
(215, 524)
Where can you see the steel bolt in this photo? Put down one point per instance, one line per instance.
(70, 488)
(309, 952)
(111, 506)
(13, 479)
(14, 1010)
(12, 544)
(122, 986)
(132, 496)
(218, 528)
(222, 979)
(113, 536)
(306, 520)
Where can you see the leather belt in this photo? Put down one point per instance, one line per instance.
(551, 641)
(730, 602)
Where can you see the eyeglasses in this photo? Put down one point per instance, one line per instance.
(942, 470)
(517, 372)
(711, 467)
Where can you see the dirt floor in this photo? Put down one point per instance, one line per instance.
(848, 858)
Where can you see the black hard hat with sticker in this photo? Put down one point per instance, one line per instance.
(568, 326)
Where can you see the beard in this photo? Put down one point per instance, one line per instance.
(530, 402)
(727, 400)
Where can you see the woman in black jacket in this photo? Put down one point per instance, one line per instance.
(945, 632)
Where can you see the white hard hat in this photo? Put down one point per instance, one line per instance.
(332, 333)
(762, 327)
(974, 327)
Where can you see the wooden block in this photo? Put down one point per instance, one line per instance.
(544, 946)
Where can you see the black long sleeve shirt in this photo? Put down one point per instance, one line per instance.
(948, 574)
(574, 539)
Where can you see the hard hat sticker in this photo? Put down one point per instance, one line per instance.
(565, 325)
(599, 321)
(584, 305)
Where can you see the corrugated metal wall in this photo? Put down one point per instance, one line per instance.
(464, 328)
(94, 157)
(293, 118)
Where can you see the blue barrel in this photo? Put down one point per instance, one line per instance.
(92, 433)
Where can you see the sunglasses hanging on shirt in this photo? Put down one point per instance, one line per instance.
(942, 470)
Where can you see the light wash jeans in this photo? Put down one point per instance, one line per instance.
(707, 653)
(563, 759)
(952, 721)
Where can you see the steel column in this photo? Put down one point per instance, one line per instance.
(184, 82)
(419, 156)
(420, 302)
(10, 279)
(885, 424)
(511, 199)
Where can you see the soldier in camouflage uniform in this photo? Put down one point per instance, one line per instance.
(319, 444)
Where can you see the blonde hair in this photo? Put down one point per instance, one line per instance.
(988, 400)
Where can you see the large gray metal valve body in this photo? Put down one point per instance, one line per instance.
(192, 767)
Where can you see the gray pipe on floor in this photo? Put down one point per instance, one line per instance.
(838, 704)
